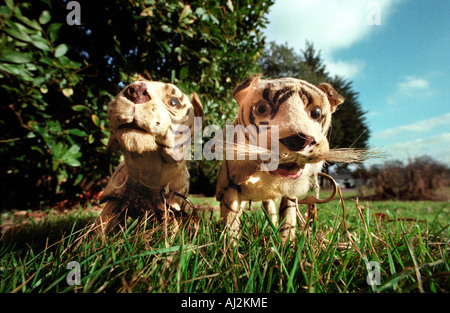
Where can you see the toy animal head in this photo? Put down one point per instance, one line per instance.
(144, 116)
(151, 123)
(301, 111)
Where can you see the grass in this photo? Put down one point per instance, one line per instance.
(409, 240)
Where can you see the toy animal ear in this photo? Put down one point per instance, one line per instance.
(245, 88)
(198, 108)
(333, 96)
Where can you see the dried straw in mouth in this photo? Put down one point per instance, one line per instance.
(340, 155)
(349, 155)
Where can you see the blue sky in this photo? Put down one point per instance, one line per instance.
(400, 68)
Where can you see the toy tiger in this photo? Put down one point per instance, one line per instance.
(302, 112)
(145, 118)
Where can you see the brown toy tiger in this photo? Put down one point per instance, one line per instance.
(145, 118)
(302, 112)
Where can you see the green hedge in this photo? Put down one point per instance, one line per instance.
(58, 79)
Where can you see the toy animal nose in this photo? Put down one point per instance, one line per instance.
(297, 142)
(137, 93)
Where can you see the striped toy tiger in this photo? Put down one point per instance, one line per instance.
(144, 118)
(302, 112)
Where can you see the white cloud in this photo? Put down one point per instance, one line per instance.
(438, 147)
(330, 24)
(412, 84)
(345, 69)
(417, 127)
(373, 113)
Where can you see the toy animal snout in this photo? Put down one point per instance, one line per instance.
(137, 93)
(297, 142)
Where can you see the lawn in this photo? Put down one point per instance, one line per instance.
(401, 246)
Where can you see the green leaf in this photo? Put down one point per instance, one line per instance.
(80, 107)
(78, 180)
(96, 120)
(214, 19)
(200, 11)
(38, 81)
(55, 165)
(185, 12)
(30, 23)
(31, 67)
(40, 43)
(205, 17)
(166, 28)
(21, 28)
(71, 156)
(166, 46)
(20, 17)
(77, 132)
(57, 150)
(53, 31)
(15, 56)
(45, 17)
(46, 60)
(10, 4)
(16, 70)
(64, 60)
(4, 11)
(184, 72)
(16, 33)
(61, 50)
(72, 162)
(178, 50)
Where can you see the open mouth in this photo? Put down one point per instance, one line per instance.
(132, 126)
(289, 170)
(298, 142)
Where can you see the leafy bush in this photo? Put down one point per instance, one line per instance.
(58, 80)
(45, 131)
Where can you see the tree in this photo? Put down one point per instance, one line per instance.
(349, 128)
(58, 79)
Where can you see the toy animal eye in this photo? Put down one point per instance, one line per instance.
(315, 113)
(173, 102)
(261, 108)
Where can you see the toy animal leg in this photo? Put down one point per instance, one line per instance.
(288, 216)
(269, 206)
(111, 216)
(230, 211)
